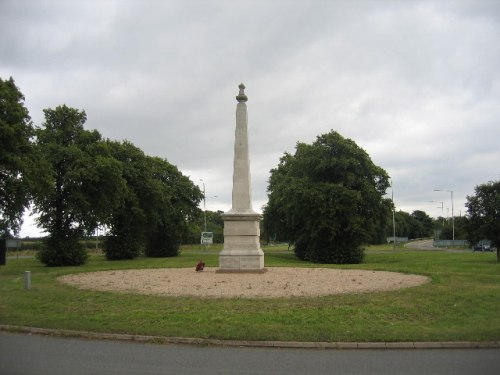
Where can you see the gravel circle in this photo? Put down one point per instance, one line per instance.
(276, 282)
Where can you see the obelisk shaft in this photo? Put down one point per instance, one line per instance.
(241, 252)
(242, 189)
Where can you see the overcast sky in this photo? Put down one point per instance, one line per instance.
(414, 83)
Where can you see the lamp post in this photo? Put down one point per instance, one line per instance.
(204, 204)
(393, 219)
(452, 216)
(442, 209)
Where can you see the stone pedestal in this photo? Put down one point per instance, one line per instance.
(241, 252)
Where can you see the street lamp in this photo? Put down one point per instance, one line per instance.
(204, 204)
(452, 216)
(442, 209)
(393, 219)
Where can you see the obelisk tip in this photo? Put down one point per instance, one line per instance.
(241, 96)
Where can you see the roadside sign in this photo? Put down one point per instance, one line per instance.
(207, 238)
(16, 243)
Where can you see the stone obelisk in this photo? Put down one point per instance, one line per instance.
(241, 252)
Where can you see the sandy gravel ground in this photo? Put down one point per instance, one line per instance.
(276, 282)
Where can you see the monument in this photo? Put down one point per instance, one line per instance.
(241, 251)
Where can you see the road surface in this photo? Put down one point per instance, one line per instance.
(421, 245)
(41, 355)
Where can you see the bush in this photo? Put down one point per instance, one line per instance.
(126, 238)
(163, 243)
(322, 247)
(62, 251)
(122, 247)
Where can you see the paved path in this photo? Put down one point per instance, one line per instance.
(34, 354)
(421, 245)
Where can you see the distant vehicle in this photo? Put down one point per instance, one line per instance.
(482, 248)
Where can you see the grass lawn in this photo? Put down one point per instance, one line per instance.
(461, 303)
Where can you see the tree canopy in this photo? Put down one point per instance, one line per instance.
(327, 200)
(16, 130)
(78, 181)
(157, 204)
(415, 225)
(483, 214)
(83, 184)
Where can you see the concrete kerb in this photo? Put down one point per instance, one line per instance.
(255, 344)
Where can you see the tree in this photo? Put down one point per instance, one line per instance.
(327, 199)
(84, 184)
(159, 200)
(196, 225)
(415, 225)
(175, 204)
(447, 230)
(422, 225)
(483, 214)
(403, 224)
(128, 220)
(16, 151)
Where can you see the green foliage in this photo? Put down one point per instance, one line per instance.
(327, 199)
(415, 225)
(125, 240)
(403, 224)
(62, 249)
(82, 183)
(196, 225)
(159, 201)
(483, 214)
(127, 221)
(16, 156)
(422, 225)
(163, 242)
(447, 229)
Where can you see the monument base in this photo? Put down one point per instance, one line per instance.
(241, 252)
(238, 261)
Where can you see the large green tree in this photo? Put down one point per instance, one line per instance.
(422, 225)
(451, 228)
(415, 225)
(159, 201)
(483, 214)
(327, 199)
(175, 204)
(403, 222)
(16, 159)
(84, 184)
(128, 221)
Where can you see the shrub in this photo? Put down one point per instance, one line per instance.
(122, 247)
(59, 251)
(323, 247)
(163, 243)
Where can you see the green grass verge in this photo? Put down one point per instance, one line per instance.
(461, 303)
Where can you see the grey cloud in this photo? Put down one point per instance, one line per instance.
(415, 83)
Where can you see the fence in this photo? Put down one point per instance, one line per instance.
(398, 239)
(445, 243)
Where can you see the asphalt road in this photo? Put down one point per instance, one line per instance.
(32, 354)
(421, 245)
